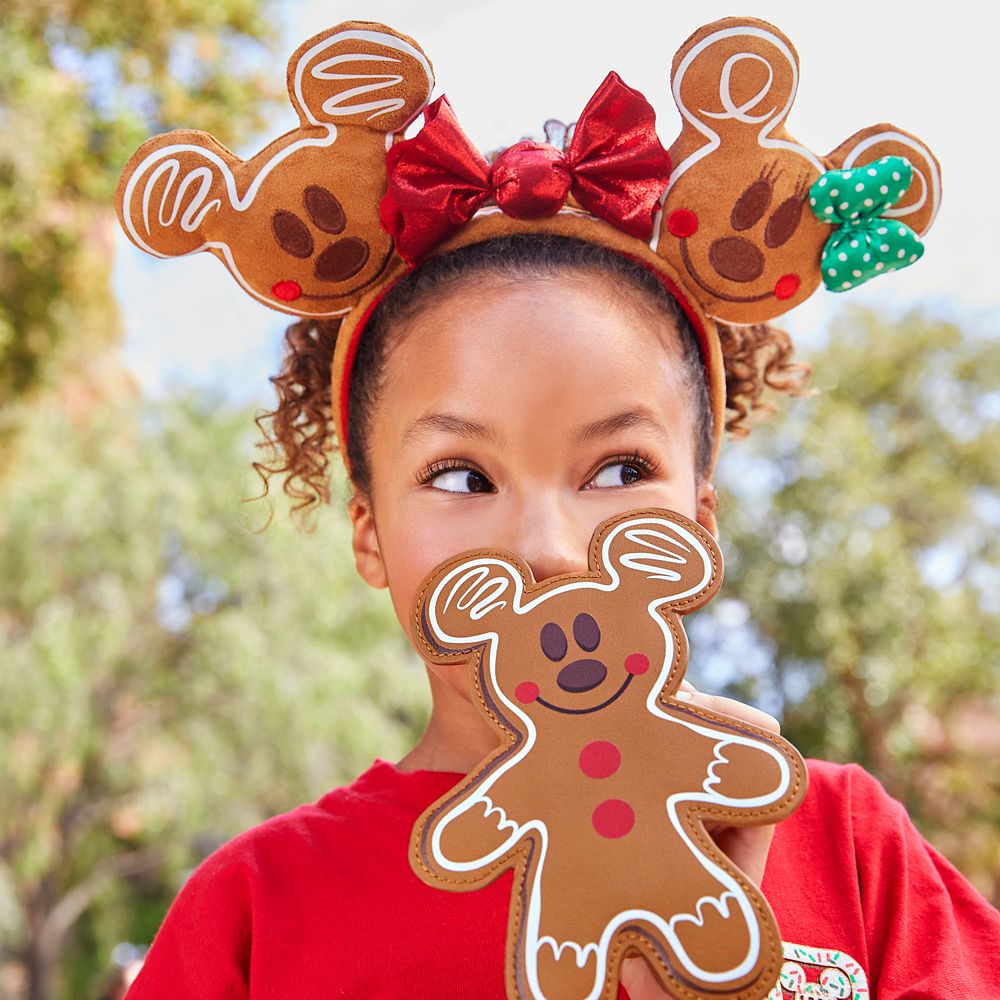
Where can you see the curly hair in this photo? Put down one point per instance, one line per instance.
(299, 431)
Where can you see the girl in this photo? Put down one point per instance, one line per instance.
(514, 388)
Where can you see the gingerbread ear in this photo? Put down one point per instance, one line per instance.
(462, 602)
(919, 205)
(359, 73)
(677, 561)
(173, 192)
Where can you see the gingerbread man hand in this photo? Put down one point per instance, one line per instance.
(602, 793)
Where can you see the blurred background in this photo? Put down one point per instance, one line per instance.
(171, 673)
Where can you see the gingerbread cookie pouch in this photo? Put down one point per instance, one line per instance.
(297, 224)
(598, 794)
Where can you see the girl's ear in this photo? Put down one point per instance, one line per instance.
(708, 503)
(364, 541)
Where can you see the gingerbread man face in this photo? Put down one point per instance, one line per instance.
(297, 225)
(558, 663)
(738, 219)
(597, 795)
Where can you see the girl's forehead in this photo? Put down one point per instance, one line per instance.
(548, 354)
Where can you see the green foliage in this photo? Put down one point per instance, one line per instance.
(169, 674)
(81, 85)
(861, 532)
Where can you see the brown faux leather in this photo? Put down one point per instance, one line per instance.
(598, 794)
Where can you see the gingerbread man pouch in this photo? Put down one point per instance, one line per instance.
(600, 790)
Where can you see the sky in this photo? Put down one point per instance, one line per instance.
(507, 65)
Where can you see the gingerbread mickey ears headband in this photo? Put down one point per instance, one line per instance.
(745, 224)
(740, 221)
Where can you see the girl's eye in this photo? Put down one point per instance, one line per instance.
(461, 481)
(617, 474)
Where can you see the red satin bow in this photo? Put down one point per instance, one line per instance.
(615, 167)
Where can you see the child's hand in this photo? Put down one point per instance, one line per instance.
(746, 846)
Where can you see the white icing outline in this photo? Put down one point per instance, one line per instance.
(475, 586)
(768, 121)
(164, 160)
(934, 188)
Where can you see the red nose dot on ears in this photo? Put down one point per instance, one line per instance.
(526, 691)
(637, 663)
(682, 223)
(287, 291)
(787, 286)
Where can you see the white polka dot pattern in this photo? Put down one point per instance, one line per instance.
(864, 245)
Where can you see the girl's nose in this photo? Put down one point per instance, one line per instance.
(550, 540)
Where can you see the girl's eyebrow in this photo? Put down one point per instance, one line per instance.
(453, 424)
(619, 422)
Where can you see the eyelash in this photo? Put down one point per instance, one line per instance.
(434, 469)
(643, 462)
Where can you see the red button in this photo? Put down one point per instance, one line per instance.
(613, 818)
(600, 759)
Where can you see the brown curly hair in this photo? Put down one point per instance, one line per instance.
(299, 433)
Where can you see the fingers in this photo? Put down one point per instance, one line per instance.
(728, 706)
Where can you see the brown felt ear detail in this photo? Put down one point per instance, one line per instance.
(919, 205)
(359, 73)
(671, 559)
(465, 600)
(173, 192)
(297, 225)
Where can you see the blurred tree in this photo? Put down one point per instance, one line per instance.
(82, 83)
(168, 676)
(862, 535)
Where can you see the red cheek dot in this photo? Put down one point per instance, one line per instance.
(526, 691)
(613, 818)
(636, 663)
(787, 286)
(682, 223)
(287, 291)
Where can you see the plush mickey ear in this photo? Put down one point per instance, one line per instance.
(359, 73)
(671, 557)
(919, 205)
(174, 191)
(463, 603)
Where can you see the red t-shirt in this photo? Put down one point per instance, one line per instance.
(321, 902)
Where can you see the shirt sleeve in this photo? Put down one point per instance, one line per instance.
(931, 935)
(202, 950)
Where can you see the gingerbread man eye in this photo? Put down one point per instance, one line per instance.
(292, 234)
(553, 640)
(324, 209)
(783, 223)
(751, 205)
(587, 632)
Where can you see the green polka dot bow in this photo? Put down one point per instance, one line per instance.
(864, 244)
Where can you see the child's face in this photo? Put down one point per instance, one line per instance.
(510, 416)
